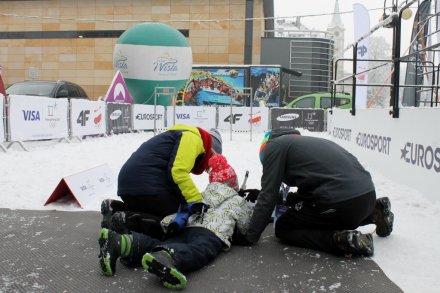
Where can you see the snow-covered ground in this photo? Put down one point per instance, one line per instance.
(410, 256)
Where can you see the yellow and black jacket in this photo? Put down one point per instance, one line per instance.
(162, 165)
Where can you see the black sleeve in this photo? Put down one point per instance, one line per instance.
(274, 164)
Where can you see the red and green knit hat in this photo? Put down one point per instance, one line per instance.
(263, 145)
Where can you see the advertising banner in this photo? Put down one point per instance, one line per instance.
(143, 62)
(310, 119)
(118, 91)
(192, 115)
(241, 119)
(144, 116)
(214, 86)
(265, 84)
(35, 118)
(403, 148)
(2, 116)
(118, 118)
(87, 117)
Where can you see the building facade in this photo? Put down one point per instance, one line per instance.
(74, 39)
(337, 30)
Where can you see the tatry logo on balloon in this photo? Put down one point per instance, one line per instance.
(165, 64)
(287, 117)
(115, 115)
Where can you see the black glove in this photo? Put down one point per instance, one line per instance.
(249, 194)
(242, 192)
(240, 240)
(292, 198)
(197, 208)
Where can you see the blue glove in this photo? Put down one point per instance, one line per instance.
(184, 212)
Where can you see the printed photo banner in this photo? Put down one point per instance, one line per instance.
(87, 117)
(35, 118)
(2, 115)
(214, 86)
(265, 83)
(191, 115)
(241, 119)
(144, 116)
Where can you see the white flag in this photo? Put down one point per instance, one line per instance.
(361, 28)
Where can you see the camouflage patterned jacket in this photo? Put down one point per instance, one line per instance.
(226, 210)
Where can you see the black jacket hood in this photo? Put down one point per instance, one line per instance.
(279, 132)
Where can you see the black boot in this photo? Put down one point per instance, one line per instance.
(162, 265)
(108, 208)
(352, 242)
(109, 251)
(383, 217)
(106, 212)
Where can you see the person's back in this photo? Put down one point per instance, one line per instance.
(320, 168)
(147, 170)
(335, 196)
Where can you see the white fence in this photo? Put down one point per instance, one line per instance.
(406, 149)
(148, 117)
(87, 117)
(2, 119)
(198, 116)
(35, 118)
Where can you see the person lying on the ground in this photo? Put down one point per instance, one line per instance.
(335, 196)
(190, 249)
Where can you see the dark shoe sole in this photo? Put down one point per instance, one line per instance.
(106, 213)
(365, 244)
(118, 223)
(355, 243)
(104, 256)
(384, 217)
(170, 277)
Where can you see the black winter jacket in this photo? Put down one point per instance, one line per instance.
(324, 172)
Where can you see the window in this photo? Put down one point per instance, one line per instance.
(62, 92)
(342, 101)
(325, 102)
(73, 91)
(308, 102)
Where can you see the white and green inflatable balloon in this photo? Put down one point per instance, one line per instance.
(152, 55)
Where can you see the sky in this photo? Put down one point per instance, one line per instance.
(287, 8)
(409, 256)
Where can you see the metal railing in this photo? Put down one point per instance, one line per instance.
(423, 69)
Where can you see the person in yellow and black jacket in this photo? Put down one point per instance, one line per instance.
(155, 181)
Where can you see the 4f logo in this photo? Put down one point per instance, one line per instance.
(83, 117)
(234, 118)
